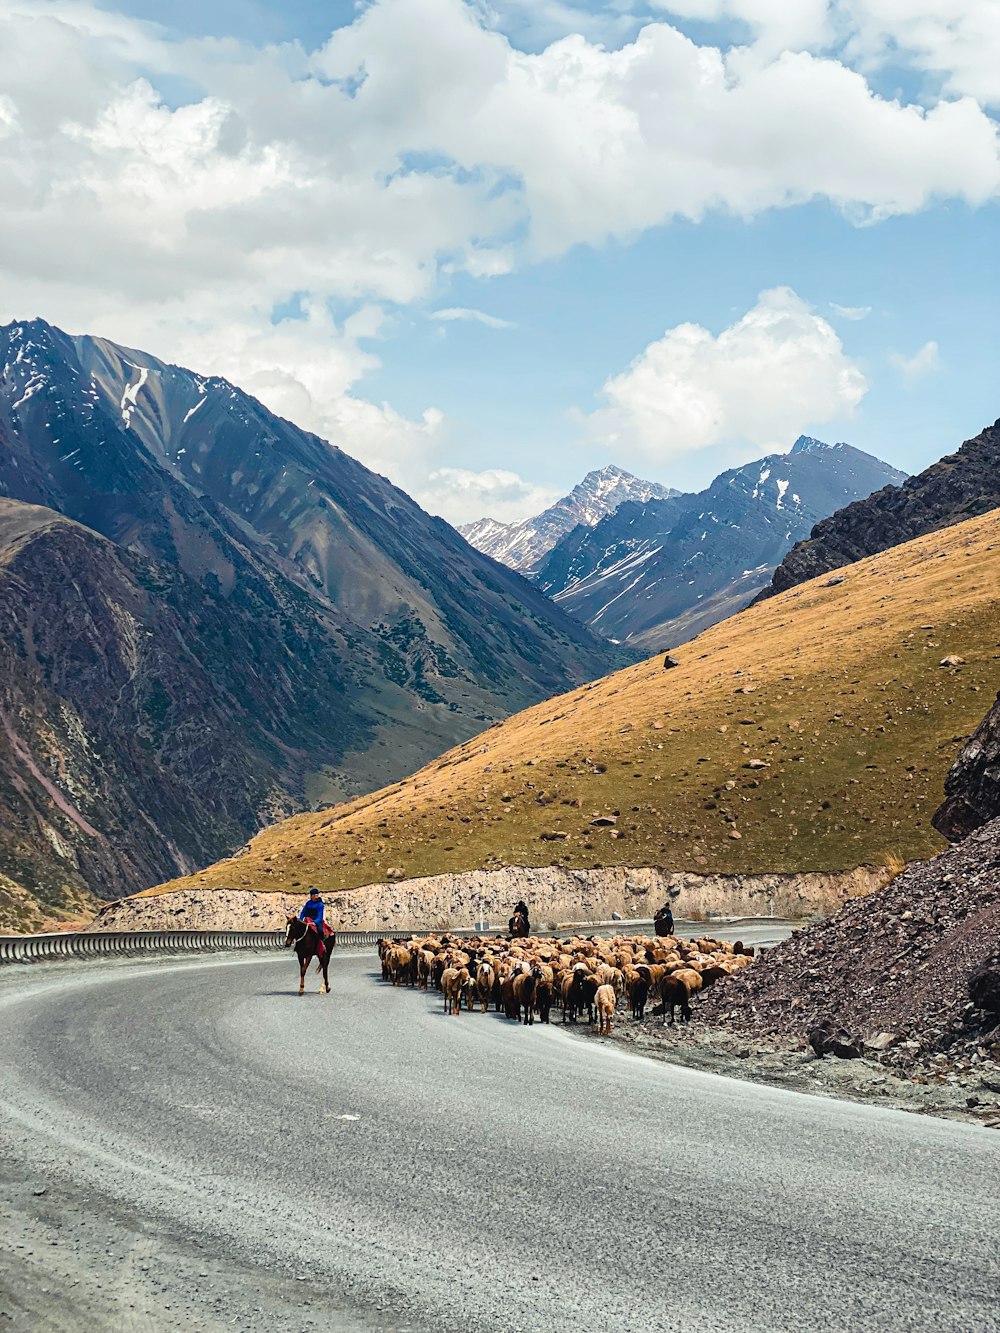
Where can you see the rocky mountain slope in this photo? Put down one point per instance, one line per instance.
(909, 974)
(522, 545)
(972, 788)
(955, 488)
(654, 574)
(813, 732)
(892, 970)
(254, 621)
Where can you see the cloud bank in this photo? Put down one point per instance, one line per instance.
(180, 194)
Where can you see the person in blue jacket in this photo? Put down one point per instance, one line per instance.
(313, 911)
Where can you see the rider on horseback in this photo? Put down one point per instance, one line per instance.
(312, 913)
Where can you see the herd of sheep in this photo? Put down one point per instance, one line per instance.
(526, 978)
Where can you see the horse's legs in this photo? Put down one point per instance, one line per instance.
(303, 968)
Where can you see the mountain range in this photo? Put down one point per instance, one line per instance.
(654, 574)
(523, 545)
(213, 618)
(956, 487)
(813, 732)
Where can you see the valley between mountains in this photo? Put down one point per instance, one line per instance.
(811, 732)
(223, 637)
(212, 619)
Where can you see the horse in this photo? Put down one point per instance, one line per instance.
(306, 941)
(518, 926)
(663, 921)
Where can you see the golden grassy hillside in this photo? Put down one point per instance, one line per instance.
(811, 732)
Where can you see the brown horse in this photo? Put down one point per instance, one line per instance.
(307, 947)
(518, 927)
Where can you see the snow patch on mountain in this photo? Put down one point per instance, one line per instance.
(522, 545)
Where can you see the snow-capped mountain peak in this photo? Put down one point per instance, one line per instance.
(522, 545)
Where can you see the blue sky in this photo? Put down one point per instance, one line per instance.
(487, 248)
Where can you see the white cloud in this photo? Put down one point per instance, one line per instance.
(418, 143)
(776, 25)
(923, 362)
(763, 380)
(476, 316)
(958, 40)
(461, 496)
(852, 312)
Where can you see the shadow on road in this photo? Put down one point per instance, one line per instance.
(286, 994)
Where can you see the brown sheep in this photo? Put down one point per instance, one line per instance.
(691, 978)
(673, 992)
(543, 997)
(604, 1001)
(508, 999)
(400, 962)
(638, 992)
(455, 981)
(710, 975)
(486, 976)
(523, 987)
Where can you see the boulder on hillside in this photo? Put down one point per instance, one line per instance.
(972, 786)
(827, 1038)
(984, 986)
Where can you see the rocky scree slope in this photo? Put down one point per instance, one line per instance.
(892, 969)
(813, 732)
(957, 487)
(278, 559)
(655, 574)
(522, 545)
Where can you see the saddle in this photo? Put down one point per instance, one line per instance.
(324, 936)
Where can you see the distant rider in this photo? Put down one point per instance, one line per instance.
(664, 920)
(520, 928)
(312, 912)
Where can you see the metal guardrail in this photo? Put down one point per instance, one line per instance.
(84, 944)
(81, 944)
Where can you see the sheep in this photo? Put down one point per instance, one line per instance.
(455, 981)
(543, 996)
(673, 992)
(638, 993)
(399, 961)
(604, 1000)
(609, 975)
(588, 994)
(425, 961)
(691, 978)
(523, 987)
(567, 981)
(526, 976)
(573, 998)
(486, 975)
(710, 975)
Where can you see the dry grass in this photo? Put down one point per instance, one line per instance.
(817, 726)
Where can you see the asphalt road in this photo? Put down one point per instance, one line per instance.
(191, 1146)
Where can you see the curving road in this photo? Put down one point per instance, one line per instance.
(190, 1146)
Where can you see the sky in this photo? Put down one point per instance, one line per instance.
(487, 247)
